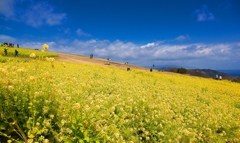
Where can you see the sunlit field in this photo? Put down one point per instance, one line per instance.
(25, 52)
(49, 101)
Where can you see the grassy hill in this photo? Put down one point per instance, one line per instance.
(55, 101)
(205, 73)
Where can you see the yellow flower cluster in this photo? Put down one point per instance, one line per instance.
(116, 105)
(32, 55)
(45, 46)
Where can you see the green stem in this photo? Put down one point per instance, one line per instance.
(5, 135)
(21, 132)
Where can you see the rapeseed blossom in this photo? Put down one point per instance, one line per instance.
(76, 106)
(32, 55)
(45, 46)
(107, 104)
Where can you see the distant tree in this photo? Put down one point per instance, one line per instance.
(182, 71)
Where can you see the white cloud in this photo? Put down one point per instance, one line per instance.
(161, 54)
(81, 33)
(204, 14)
(43, 14)
(199, 55)
(6, 38)
(182, 38)
(7, 8)
(148, 45)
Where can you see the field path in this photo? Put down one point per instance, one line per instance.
(86, 60)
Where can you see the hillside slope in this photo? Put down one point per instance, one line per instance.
(86, 60)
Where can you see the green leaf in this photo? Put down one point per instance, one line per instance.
(86, 137)
(3, 125)
(73, 127)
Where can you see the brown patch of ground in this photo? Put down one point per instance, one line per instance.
(86, 60)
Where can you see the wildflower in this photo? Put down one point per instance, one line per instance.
(45, 141)
(161, 133)
(45, 46)
(32, 55)
(116, 135)
(69, 131)
(51, 59)
(30, 141)
(68, 98)
(63, 122)
(51, 116)
(76, 106)
(10, 88)
(36, 93)
(45, 131)
(41, 138)
(147, 138)
(32, 78)
(47, 123)
(45, 109)
(30, 135)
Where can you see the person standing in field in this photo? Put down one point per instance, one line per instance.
(16, 53)
(91, 56)
(5, 51)
(220, 77)
(108, 61)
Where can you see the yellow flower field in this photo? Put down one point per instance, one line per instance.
(50, 101)
(25, 52)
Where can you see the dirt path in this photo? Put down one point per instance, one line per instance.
(86, 60)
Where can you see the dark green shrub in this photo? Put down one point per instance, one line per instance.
(182, 71)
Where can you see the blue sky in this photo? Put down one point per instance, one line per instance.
(195, 34)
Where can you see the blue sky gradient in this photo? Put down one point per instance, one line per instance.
(197, 34)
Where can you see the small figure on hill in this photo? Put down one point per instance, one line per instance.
(91, 56)
(150, 69)
(16, 53)
(153, 66)
(216, 77)
(18, 45)
(108, 61)
(220, 77)
(128, 69)
(5, 51)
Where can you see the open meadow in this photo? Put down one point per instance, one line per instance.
(44, 100)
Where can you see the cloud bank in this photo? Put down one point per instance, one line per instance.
(214, 56)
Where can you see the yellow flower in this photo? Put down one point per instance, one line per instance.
(10, 88)
(45, 46)
(76, 106)
(32, 55)
(45, 141)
